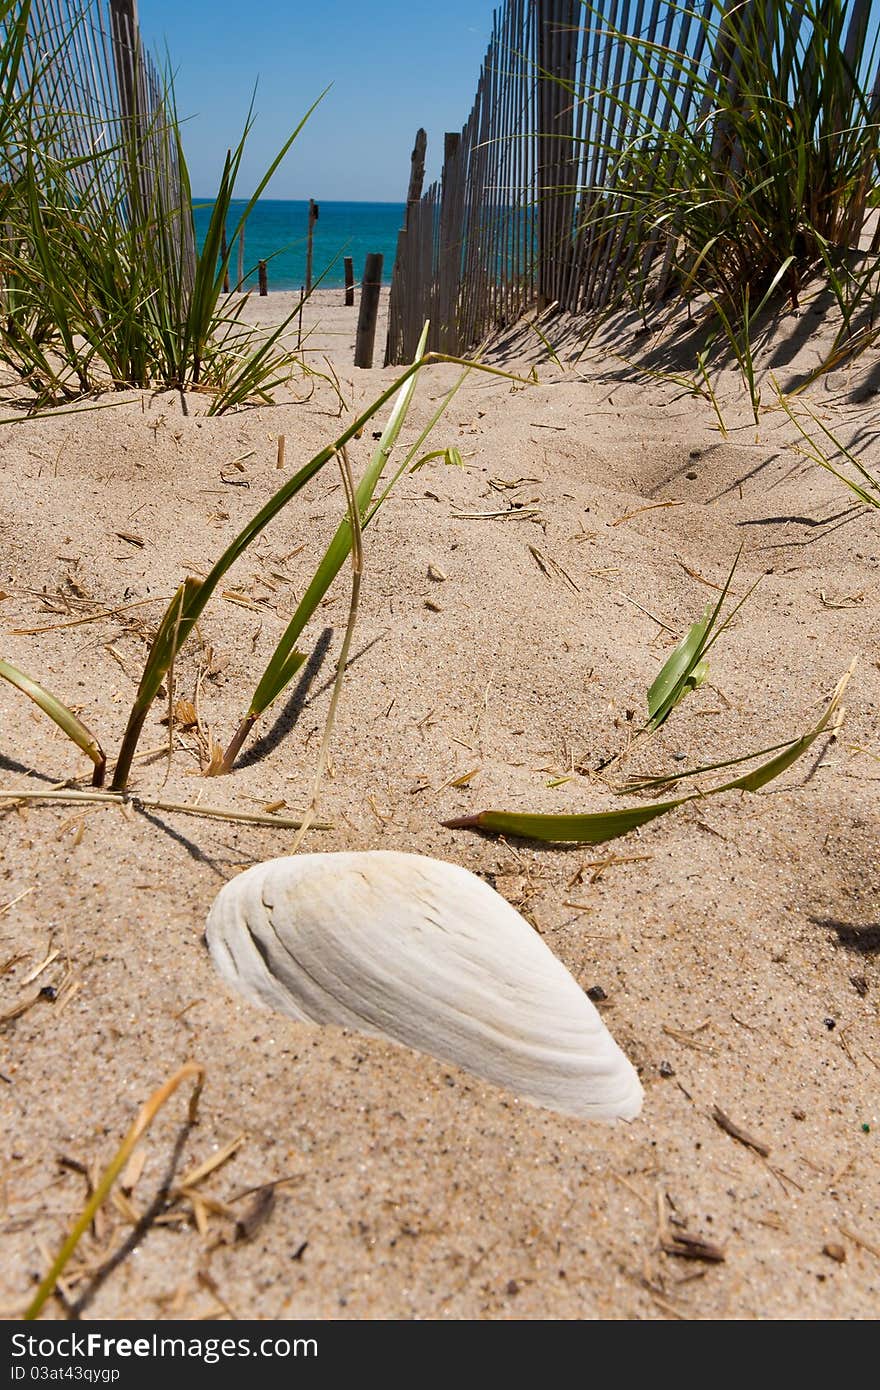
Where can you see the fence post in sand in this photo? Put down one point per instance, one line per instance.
(313, 217)
(401, 306)
(368, 312)
(348, 265)
(449, 262)
(132, 83)
(416, 173)
(263, 277)
(555, 150)
(224, 252)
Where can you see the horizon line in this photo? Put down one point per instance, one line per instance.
(372, 202)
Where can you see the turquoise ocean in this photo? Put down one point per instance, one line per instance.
(276, 232)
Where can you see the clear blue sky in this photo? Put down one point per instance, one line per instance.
(394, 65)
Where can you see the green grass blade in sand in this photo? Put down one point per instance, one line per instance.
(630, 787)
(595, 828)
(192, 597)
(287, 659)
(61, 715)
(339, 547)
(686, 669)
(683, 672)
(818, 454)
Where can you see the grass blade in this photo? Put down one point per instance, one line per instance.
(120, 1158)
(61, 715)
(818, 455)
(592, 829)
(357, 569)
(683, 672)
(686, 669)
(669, 778)
(599, 826)
(192, 597)
(287, 659)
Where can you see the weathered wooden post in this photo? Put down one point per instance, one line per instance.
(148, 134)
(449, 265)
(400, 309)
(416, 173)
(348, 265)
(263, 277)
(369, 311)
(128, 61)
(555, 162)
(224, 256)
(313, 217)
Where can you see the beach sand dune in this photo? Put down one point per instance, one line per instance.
(513, 613)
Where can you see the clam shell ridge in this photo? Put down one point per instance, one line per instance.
(425, 953)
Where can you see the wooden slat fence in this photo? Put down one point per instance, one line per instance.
(533, 207)
(93, 88)
(466, 257)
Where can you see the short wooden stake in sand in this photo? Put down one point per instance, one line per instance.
(224, 253)
(313, 217)
(263, 277)
(369, 311)
(348, 265)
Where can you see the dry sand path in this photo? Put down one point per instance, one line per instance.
(736, 941)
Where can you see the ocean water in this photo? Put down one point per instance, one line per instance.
(276, 232)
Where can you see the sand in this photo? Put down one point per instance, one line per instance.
(735, 940)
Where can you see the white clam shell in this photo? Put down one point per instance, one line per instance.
(423, 952)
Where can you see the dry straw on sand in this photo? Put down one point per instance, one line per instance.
(726, 940)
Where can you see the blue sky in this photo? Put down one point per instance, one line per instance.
(394, 66)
